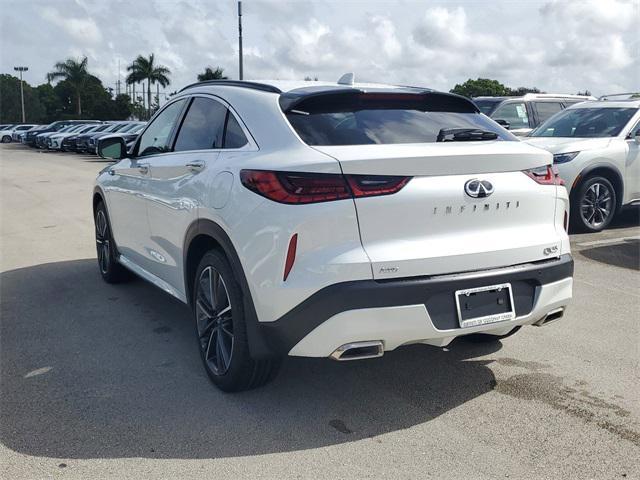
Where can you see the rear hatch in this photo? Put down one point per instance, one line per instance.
(433, 225)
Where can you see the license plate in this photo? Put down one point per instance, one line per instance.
(485, 305)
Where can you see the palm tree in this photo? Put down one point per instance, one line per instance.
(210, 74)
(75, 73)
(144, 69)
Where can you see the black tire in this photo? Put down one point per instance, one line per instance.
(234, 371)
(110, 269)
(487, 338)
(593, 205)
(6, 139)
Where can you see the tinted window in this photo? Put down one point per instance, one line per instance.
(234, 136)
(487, 106)
(515, 113)
(586, 122)
(367, 119)
(156, 138)
(546, 110)
(203, 126)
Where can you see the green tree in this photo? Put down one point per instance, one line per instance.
(480, 87)
(520, 91)
(75, 73)
(10, 105)
(210, 74)
(145, 69)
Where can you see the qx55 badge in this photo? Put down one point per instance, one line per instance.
(478, 188)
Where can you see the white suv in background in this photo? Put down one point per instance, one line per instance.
(333, 220)
(596, 148)
(6, 136)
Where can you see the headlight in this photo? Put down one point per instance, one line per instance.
(564, 157)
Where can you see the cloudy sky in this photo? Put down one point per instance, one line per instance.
(555, 45)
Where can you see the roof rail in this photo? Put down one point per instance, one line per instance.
(236, 83)
(630, 95)
(557, 95)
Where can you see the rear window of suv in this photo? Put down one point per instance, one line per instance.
(374, 118)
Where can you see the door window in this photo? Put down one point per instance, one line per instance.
(546, 110)
(515, 113)
(203, 126)
(157, 137)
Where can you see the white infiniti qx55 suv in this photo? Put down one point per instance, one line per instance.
(333, 220)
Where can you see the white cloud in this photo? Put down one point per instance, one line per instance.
(555, 45)
(82, 30)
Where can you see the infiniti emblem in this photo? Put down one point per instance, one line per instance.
(478, 188)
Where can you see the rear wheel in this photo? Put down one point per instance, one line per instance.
(593, 205)
(221, 331)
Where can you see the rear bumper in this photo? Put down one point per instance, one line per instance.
(413, 310)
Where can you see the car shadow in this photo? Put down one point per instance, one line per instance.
(91, 370)
(625, 254)
(628, 217)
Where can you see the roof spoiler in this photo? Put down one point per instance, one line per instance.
(432, 101)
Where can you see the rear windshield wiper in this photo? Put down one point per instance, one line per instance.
(465, 135)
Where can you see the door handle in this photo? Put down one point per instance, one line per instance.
(195, 165)
(143, 168)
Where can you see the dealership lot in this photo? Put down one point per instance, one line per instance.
(104, 381)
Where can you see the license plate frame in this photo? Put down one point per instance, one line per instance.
(500, 316)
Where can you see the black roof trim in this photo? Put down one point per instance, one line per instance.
(235, 83)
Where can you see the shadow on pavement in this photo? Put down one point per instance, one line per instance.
(90, 370)
(625, 255)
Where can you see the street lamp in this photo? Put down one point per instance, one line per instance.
(21, 69)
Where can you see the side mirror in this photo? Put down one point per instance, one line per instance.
(112, 148)
(503, 123)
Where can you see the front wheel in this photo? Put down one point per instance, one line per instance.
(110, 269)
(221, 330)
(6, 139)
(593, 205)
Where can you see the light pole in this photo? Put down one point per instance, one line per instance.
(240, 38)
(21, 69)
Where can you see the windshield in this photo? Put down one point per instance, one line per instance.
(382, 119)
(487, 106)
(114, 127)
(129, 127)
(586, 123)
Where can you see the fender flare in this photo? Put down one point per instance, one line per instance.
(259, 346)
(604, 166)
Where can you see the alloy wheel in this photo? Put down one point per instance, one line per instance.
(103, 243)
(597, 205)
(214, 321)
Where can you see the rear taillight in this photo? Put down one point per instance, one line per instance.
(303, 188)
(546, 175)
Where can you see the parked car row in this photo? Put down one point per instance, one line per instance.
(78, 136)
(9, 132)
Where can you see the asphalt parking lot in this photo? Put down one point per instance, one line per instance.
(104, 381)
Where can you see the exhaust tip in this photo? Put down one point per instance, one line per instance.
(553, 315)
(358, 351)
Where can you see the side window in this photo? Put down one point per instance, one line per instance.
(515, 113)
(156, 138)
(546, 110)
(203, 126)
(234, 136)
